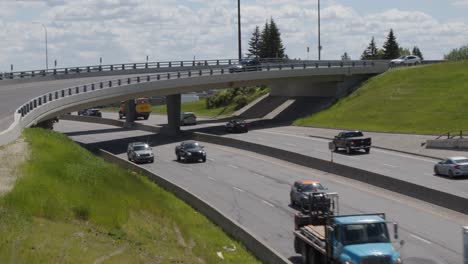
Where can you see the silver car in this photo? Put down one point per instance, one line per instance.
(452, 167)
(406, 60)
(140, 152)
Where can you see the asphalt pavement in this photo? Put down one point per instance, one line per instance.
(254, 190)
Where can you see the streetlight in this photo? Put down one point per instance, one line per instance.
(239, 29)
(46, 52)
(319, 45)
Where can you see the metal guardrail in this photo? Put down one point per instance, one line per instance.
(452, 134)
(70, 91)
(148, 65)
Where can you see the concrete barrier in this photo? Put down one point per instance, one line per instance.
(447, 143)
(263, 252)
(429, 195)
(110, 122)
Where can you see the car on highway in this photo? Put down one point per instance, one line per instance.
(452, 167)
(188, 118)
(246, 65)
(140, 152)
(406, 60)
(301, 189)
(190, 151)
(237, 125)
(90, 112)
(352, 140)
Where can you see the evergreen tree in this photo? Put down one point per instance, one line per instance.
(345, 57)
(254, 43)
(391, 47)
(264, 42)
(271, 45)
(371, 52)
(417, 52)
(277, 47)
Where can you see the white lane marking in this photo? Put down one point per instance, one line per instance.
(210, 159)
(389, 165)
(211, 178)
(421, 239)
(189, 169)
(267, 203)
(240, 190)
(233, 166)
(259, 175)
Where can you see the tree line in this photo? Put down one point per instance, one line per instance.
(267, 43)
(390, 49)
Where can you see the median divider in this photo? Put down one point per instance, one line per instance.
(110, 122)
(263, 252)
(429, 195)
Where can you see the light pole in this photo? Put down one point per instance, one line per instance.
(46, 51)
(239, 29)
(319, 45)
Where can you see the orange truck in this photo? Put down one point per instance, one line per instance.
(142, 108)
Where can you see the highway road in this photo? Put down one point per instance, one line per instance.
(410, 168)
(254, 190)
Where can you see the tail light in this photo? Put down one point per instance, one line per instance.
(352, 142)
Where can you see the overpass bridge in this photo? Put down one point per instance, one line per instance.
(52, 97)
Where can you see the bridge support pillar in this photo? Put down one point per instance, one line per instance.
(130, 113)
(173, 103)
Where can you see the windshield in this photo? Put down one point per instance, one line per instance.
(365, 233)
(312, 187)
(138, 148)
(462, 161)
(192, 145)
(402, 57)
(353, 134)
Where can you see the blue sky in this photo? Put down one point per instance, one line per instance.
(79, 32)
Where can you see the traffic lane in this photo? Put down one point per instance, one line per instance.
(406, 167)
(276, 175)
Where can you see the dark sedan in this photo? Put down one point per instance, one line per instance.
(237, 125)
(92, 112)
(190, 151)
(246, 65)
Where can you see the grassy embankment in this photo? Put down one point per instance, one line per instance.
(427, 99)
(70, 206)
(200, 107)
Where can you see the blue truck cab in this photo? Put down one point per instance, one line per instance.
(363, 239)
(322, 236)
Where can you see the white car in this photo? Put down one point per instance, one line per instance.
(188, 118)
(454, 166)
(406, 60)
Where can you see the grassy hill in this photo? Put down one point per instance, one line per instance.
(426, 99)
(70, 206)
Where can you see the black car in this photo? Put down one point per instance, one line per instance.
(190, 151)
(246, 65)
(237, 125)
(92, 112)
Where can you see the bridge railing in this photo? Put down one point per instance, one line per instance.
(70, 91)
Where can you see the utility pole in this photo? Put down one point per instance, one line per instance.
(239, 29)
(46, 51)
(319, 45)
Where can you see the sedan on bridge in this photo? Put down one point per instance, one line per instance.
(452, 167)
(406, 60)
(246, 65)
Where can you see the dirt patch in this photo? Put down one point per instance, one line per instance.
(11, 157)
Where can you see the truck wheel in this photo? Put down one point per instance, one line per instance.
(311, 256)
(367, 150)
(336, 149)
(436, 171)
(348, 150)
(304, 249)
(146, 117)
(297, 245)
(178, 157)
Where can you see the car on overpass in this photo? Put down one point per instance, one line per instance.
(406, 60)
(190, 151)
(237, 125)
(452, 167)
(301, 189)
(246, 65)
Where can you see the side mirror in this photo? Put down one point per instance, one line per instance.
(395, 231)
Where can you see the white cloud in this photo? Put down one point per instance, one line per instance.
(121, 31)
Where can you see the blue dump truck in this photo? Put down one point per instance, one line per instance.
(323, 236)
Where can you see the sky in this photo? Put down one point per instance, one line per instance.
(120, 31)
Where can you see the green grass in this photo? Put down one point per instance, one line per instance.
(428, 99)
(199, 108)
(71, 206)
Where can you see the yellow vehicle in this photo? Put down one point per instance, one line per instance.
(142, 107)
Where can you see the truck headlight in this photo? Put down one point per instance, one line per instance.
(348, 262)
(398, 261)
(189, 154)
